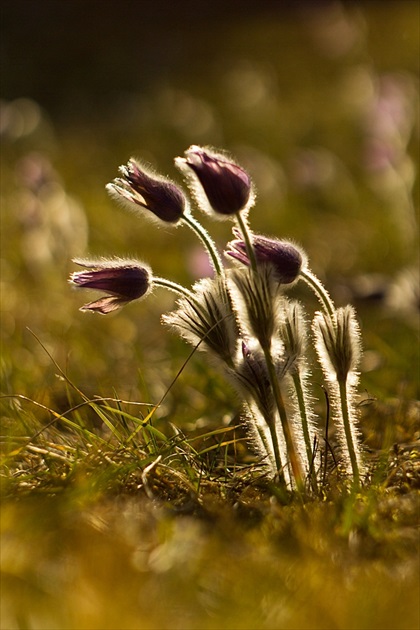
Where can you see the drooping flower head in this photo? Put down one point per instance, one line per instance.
(123, 281)
(219, 184)
(140, 187)
(284, 258)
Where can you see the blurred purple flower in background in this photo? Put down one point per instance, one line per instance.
(389, 122)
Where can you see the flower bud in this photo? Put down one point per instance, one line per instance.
(227, 187)
(206, 321)
(255, 298)
(338, 343)
(284, 258)
(292, 331)
(158, 195)
(123, 280)
(253, 380)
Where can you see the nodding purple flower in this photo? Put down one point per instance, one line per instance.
(137, 186)
(123, 281)
(227, 187)
(284, 258)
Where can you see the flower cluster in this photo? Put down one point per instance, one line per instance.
(253, 332)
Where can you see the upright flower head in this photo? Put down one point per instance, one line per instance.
(123, 281)
(338, 343)
(284, 258)
(292, 331)
(256, 300)
(226, 186)
(139, 187)
(252, 380)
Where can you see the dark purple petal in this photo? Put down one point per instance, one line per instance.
(104, 305)
(238, 251)
(226, 185)
(285, 258)
(127, 282)
(163, 198)
(245, 350)
(122, 280)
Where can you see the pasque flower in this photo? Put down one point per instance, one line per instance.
(122, 280)
(337, 342)
(139, 187)
(241, 318)
(285, 259)
(227, 187)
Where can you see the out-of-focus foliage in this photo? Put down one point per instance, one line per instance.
(127, 564)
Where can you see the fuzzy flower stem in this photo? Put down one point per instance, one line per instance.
(347, 431)
(248, 241)
(319, 290)
(276, 450)
(207, 241)
(173, 286)
(294, 461)
(304, 419)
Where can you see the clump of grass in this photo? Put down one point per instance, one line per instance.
(115, 448)
(88, 510)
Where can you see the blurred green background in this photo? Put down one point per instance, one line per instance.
(319, 101)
